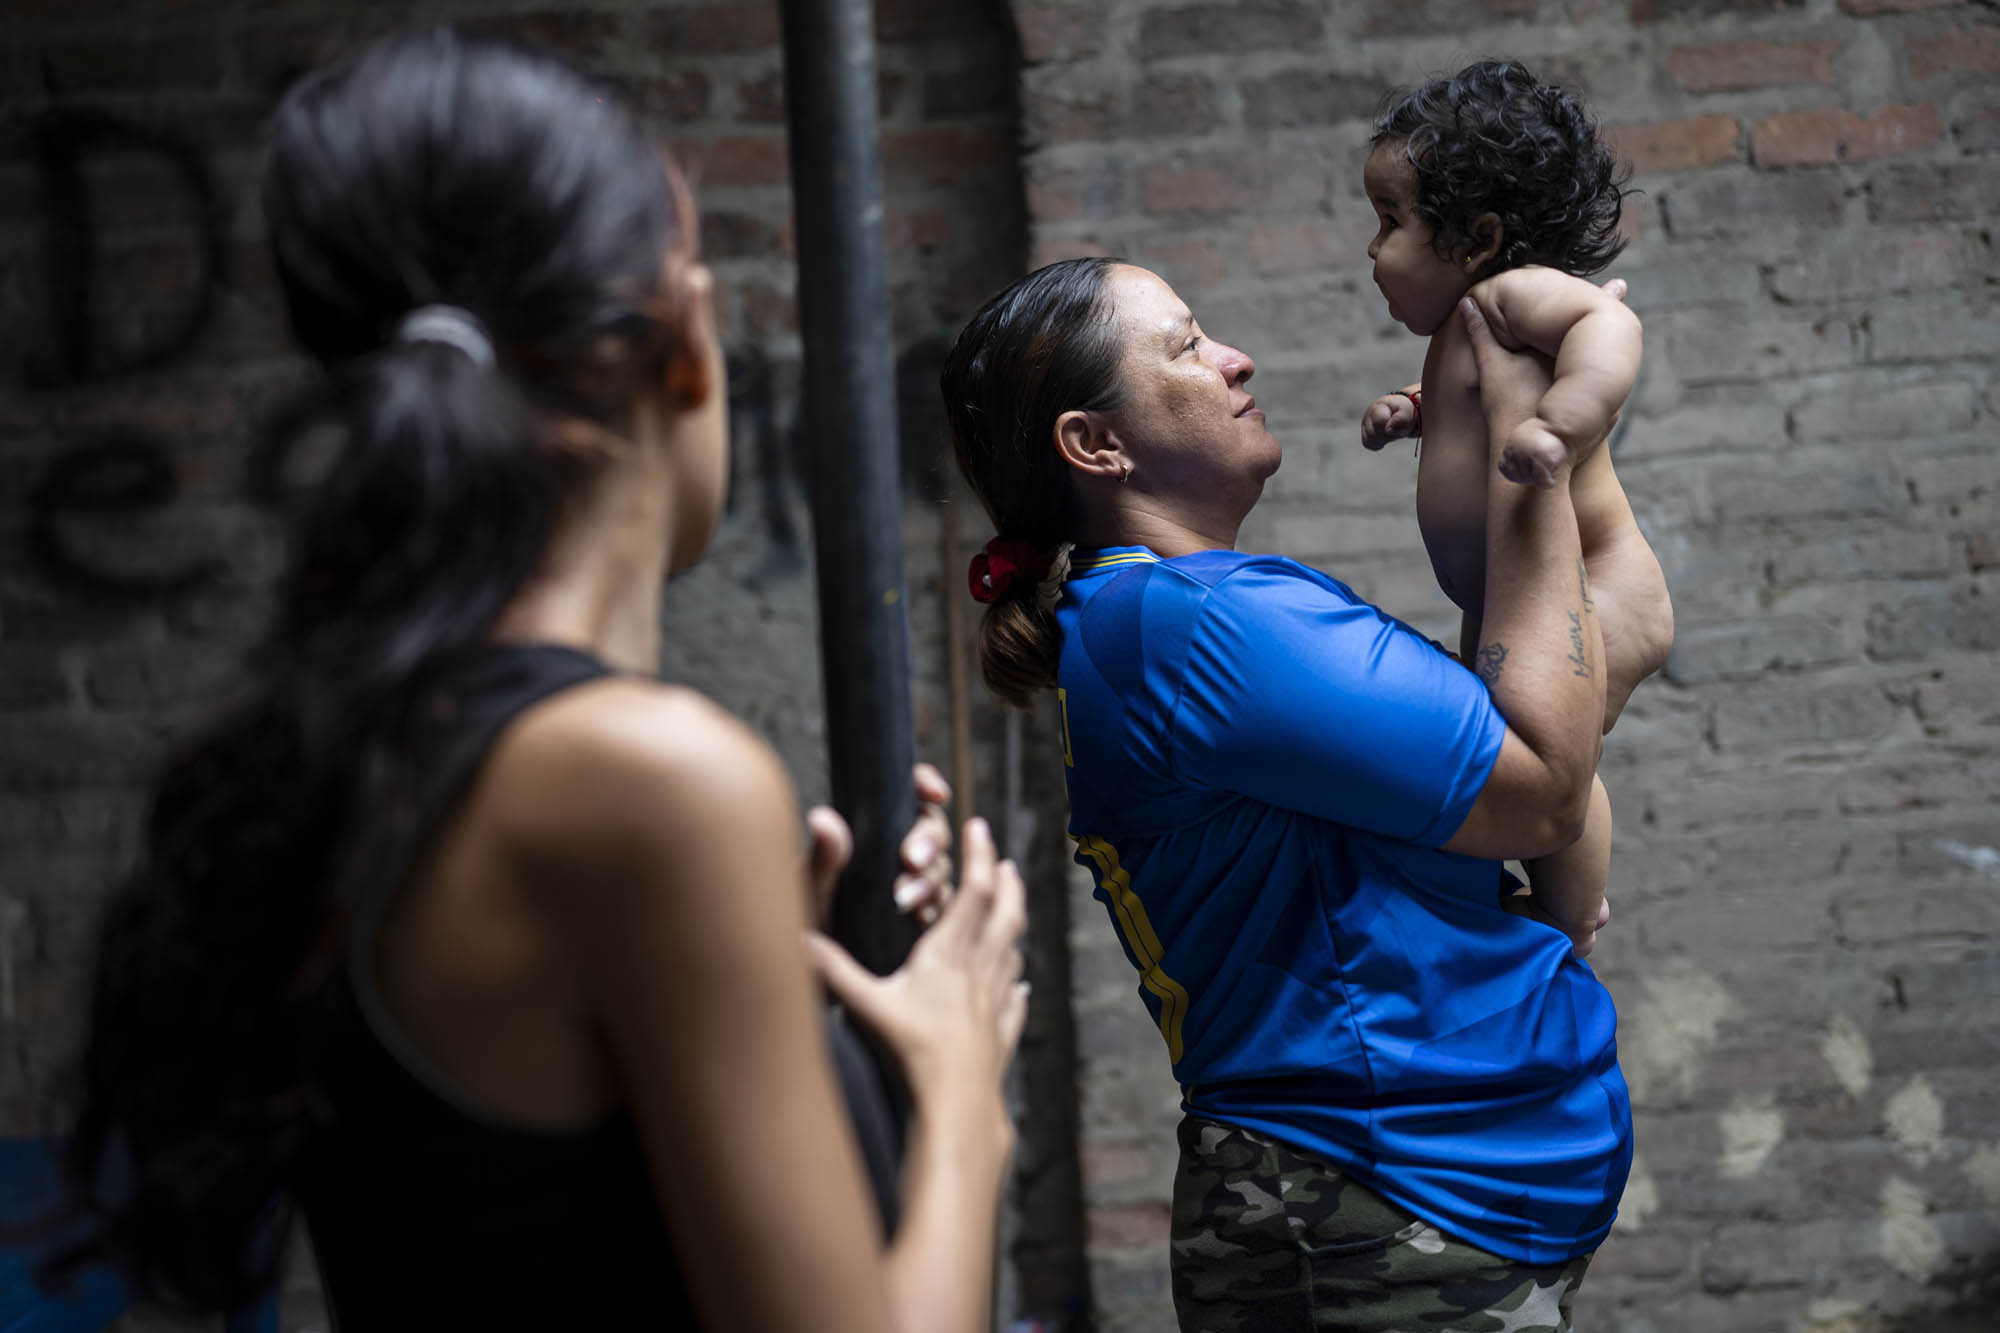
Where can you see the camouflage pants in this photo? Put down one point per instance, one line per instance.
(1268, 1240)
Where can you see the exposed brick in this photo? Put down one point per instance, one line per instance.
(1101, 191)
(133, 65)
(1056, 33)
(1757, 349)
(674, 96)
(1921, 782)
(762, 100)
(577, 34)
(1170, 189)
(1668, 277)
(1860, 408)
(1949, 478)
(1400, 17)
(764, 310)
(1297, 247)
(1872, 265)
(1977, 129)
(1069, 112)
(1798, 138)
(1131, 1227)
(1730, 66)
(1172, 105)
(927, 20)
(1190, 265)
(40, 753)
(734, 235)
(1051, 249)
(1706, 653)
(273, 55)
(917, 228)
(1864, 556)
(1895, 6)
(712, 29)
(1676, 145)
(152, 676)
(1249, 25)
(1233, 182)
(1966, 622)
(944, 156)
(1934, 192)
(1797, 715)
(31, 677)
(1965, 51)
(1747, 202)
(1800, 489)
(981, 88)
(1960, 702)
(743, 160)
(1297, 98)
(1659, 11)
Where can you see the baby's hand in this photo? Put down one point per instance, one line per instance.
(1391, 417)
(1532, 453)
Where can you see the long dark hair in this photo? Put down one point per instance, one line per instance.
(1493, 138)
(432, 169)
(1047, 345)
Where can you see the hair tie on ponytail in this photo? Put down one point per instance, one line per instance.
(1003, 562)
(454, 326)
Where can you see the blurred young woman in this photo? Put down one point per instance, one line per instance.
(457, 931)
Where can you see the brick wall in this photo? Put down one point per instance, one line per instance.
(1807, 891)
(1806, 876)
(151, 412)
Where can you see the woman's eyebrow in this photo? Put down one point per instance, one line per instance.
(1176, 332)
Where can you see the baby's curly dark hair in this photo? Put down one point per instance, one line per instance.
(1493, 138)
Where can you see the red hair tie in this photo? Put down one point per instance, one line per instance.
(1001, 564)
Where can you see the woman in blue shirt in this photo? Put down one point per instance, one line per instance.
(1402, 1096)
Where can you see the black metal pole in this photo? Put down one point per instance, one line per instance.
(851, 439)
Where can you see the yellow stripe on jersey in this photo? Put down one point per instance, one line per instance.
(1130, 915)
(1091, 563)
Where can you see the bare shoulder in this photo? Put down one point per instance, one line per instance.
(623, 773)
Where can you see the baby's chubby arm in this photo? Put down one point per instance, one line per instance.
(1595, 342)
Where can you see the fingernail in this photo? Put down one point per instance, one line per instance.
(922, 850)
(908, 892)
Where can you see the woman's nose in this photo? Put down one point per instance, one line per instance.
(1236, 365)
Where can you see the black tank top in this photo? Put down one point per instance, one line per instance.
(425, 1211)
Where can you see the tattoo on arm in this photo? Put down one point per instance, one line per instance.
(1488, 662)
(1583, 583)
(1579, 661)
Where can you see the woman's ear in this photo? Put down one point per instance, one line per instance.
(1483, 248)
(690, 375)
(1087, 444)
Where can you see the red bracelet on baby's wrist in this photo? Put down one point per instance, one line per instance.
(1416, 397)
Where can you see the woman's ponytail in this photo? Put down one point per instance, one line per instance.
(1045, 346)
(1019, 644)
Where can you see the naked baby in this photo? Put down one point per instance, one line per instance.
(1492, 183)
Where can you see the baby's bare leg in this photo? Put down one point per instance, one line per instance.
(1569, 885)
(1628, 599)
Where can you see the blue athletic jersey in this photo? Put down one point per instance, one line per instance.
(1261, 768)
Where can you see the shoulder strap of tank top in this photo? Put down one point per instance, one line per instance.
(458, 719)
